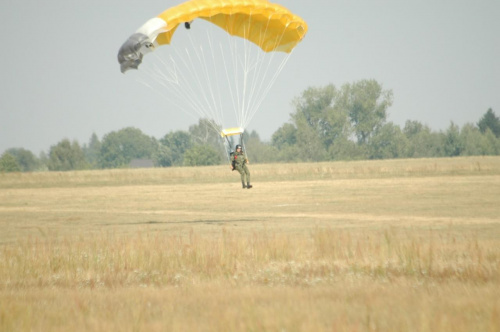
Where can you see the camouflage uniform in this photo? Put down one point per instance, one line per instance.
(239, 162)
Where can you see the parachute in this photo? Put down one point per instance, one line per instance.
(203, 78)
(270, 26)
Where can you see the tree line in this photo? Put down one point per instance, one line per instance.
(328, 123)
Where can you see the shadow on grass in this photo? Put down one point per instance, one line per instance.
(196, 221)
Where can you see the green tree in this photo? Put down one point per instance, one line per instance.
(339, 127)
(493, 142)
(284, 144)
(43, 161)
(452, 142)
(346, 149)
(367, 104)
(66, 156)
(118, 148)
(489, 121)
(163, 156)
(474, 142)
(312, 108)
(326, 119)
(178, 143)
(206, 132)
(318, 116)
(258, 151)
(8, 163)
(26, 160)
(285, 136)
(314, 126)
(309, 143)
(413, 128)
(421, 141)
(201, 155)
(92, 151)
(388, 142)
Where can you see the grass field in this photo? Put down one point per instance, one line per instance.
(398, 245)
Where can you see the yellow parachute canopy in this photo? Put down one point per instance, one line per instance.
(270, 26)
(232, 131)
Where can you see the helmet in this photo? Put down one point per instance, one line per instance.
(237, 147)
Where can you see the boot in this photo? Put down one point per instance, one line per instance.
(249, 186)
(243, 184)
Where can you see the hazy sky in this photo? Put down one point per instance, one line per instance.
(59, 76)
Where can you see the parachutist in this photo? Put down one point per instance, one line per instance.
(187, 25)
(239, 162)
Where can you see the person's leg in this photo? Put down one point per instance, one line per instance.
(242, 175)
(247, 172)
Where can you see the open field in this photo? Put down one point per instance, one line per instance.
(398, 245)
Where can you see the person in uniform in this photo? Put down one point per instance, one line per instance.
(239, 162)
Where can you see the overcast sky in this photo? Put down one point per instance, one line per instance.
(59, 77)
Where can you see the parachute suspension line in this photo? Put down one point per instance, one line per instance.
(212, 111)
(233, 51)
(255, 75)
(248, 84)
(244, 88)
(163, 81)
(247, 68)
(234, 100)
(259, 76)
(272, 80)
(232, 86)
(212, 52)
(240, 98)
(242, 142)
(173, 83)
(179, 85)
(268, 87)
(184, 91)
(211, 101)
(183, 87)
(203, 88)
(227, 145)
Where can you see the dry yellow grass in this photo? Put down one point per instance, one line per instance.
(402, 245)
